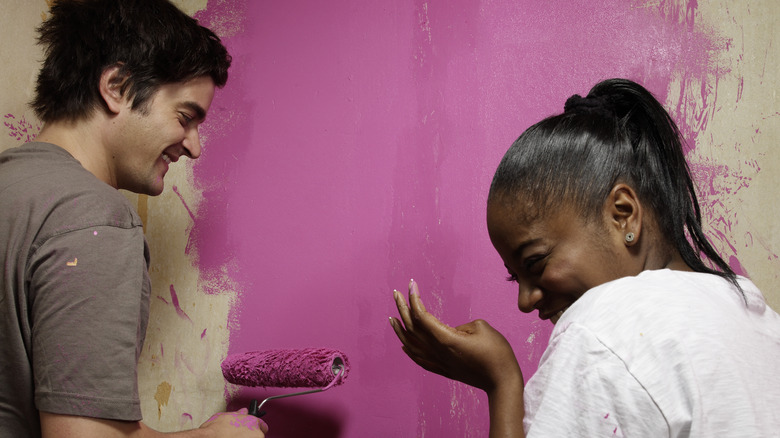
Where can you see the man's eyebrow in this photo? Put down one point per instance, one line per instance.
(200, 113)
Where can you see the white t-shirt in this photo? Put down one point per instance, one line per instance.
(663, 354)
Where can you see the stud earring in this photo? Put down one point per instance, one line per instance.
(629, 237)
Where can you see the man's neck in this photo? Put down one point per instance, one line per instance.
(84, 141)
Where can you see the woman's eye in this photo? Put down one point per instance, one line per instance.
(185, 119)
(510, 275)
(533, 264)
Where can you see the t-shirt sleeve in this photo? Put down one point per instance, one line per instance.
(582, 389)
(89, 292)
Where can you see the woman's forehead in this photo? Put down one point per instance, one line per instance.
(516, 209)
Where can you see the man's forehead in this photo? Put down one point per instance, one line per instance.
(194, 95)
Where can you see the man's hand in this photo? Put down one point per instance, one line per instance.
(226, 424)
(236, 424)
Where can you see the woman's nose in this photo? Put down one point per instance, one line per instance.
(528, 297)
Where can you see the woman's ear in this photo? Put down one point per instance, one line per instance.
(625, 213)
(110, 86)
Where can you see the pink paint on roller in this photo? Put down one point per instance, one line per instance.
(296, 368)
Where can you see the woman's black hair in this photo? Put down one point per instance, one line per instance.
(618, 133)
(152, 41)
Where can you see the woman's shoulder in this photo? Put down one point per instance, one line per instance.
(666, 329)
(665, 288)
(661, 299)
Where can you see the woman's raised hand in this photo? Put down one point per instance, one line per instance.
(473, 353)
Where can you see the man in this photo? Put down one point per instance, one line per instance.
(122, 90)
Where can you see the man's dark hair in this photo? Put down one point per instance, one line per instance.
(152, 42)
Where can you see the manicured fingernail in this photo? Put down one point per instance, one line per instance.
(413, 289)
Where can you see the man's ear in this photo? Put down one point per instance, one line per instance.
(111, 83)
(625, 213)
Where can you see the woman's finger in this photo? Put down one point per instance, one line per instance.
(410, 313)
(427, 325)
(403, 310)
(407, 339)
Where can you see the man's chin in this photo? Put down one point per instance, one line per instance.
(149, 190)
(156, 188)
(155, 191)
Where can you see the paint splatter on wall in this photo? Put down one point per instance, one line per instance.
(20, 129)
(730, 127)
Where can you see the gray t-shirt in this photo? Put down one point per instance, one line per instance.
(74, 292)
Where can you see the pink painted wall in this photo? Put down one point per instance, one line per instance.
(352, 150)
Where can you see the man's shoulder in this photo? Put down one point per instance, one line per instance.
(47, 184)
(42, 167)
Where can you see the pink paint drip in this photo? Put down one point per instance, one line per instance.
(175, 301)
(188, 246)
(197, 369)
(176, 190)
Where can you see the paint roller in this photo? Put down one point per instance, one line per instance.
(286, 368)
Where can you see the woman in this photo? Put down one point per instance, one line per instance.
(594, 214)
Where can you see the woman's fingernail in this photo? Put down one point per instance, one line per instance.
(413, 289)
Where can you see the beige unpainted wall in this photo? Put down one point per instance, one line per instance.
(181, 384)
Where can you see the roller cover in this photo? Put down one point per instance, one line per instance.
(301, 368)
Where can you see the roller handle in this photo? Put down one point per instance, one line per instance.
(253, 410)
(338, 370)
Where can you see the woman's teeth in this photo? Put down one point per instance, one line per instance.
(166, 158)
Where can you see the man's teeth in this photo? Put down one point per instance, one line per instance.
(166, 158)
